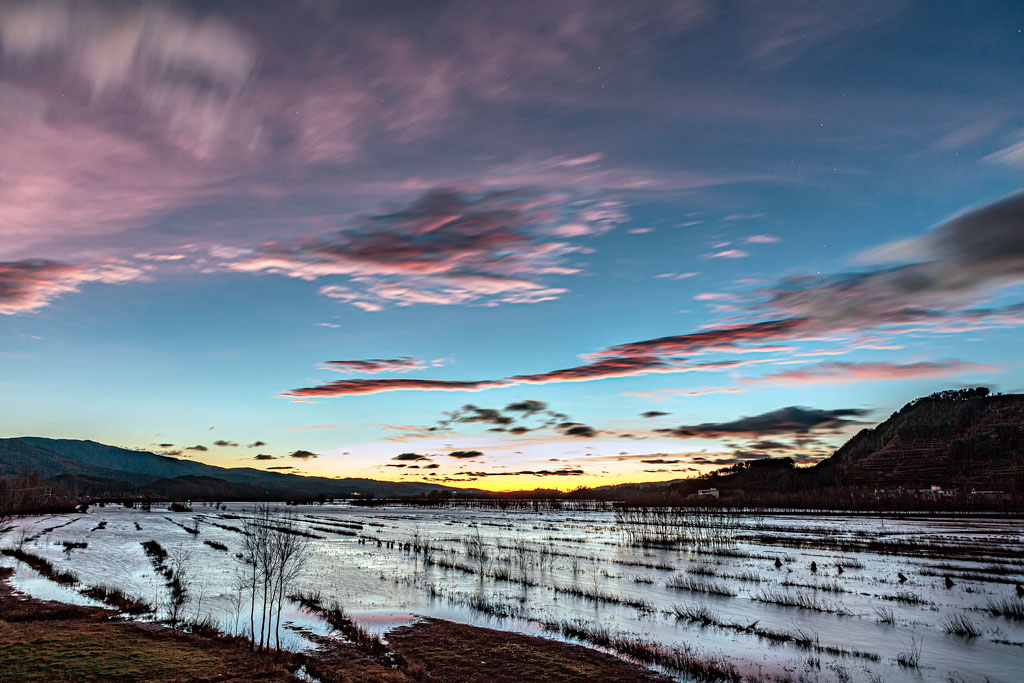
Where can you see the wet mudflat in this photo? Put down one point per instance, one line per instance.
(776, 597)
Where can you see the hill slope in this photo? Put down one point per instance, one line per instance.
(98, 467)
(962, 440)
(974, 442)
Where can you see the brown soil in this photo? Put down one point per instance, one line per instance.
(446, 651)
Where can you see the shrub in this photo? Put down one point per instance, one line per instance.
(1010, 608)
(695, 614)
(687, 583)
(960, 625)
(43, 566)
(115, 597)
(797, 600)
(911, 657)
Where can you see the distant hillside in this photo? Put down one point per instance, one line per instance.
(962, 440)
(97, 469)
(17, 455)
(948, 440)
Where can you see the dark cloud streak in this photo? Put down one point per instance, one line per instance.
(790, 420)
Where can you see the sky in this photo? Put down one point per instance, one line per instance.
(504, 246)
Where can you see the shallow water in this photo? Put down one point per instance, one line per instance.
(383, 587)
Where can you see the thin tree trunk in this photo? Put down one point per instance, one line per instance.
(263, 620)
(252, 610)
(277, 628)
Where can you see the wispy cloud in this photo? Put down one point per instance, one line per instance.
(842, 372)
(833, 373)
(975, 252)
(350, 387)
(132, 129)
(762, 239)
(790, 420)
(728, 253)
(371, 366)
(1012, 155)
(31, 284)
(446, 248)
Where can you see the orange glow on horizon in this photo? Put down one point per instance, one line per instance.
(529, 482)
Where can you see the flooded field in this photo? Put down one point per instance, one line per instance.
(779, 597)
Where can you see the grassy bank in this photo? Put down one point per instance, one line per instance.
(47, 641)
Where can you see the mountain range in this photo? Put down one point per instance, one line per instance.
(97, 469)
(958, 440)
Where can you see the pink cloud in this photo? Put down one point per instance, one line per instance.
(375, 365)
(728, 253)
(597, 369)
(80, 181)
(818, 308)
(31, 284)
(834, 373)
(977, 251)
(445, 248)
(121, 122)
(372, 386)
(696, 341)
(841, 373)
(762, 239)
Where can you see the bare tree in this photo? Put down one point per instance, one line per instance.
(476, 548)
(274, 551)
(179, 584)
(596, 572)
(239, 584)
(254, 540)
(290, 553)
(23, 536)
(265, 562)
(522, 553)
(199, 598)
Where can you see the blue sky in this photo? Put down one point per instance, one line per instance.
(772, 223)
